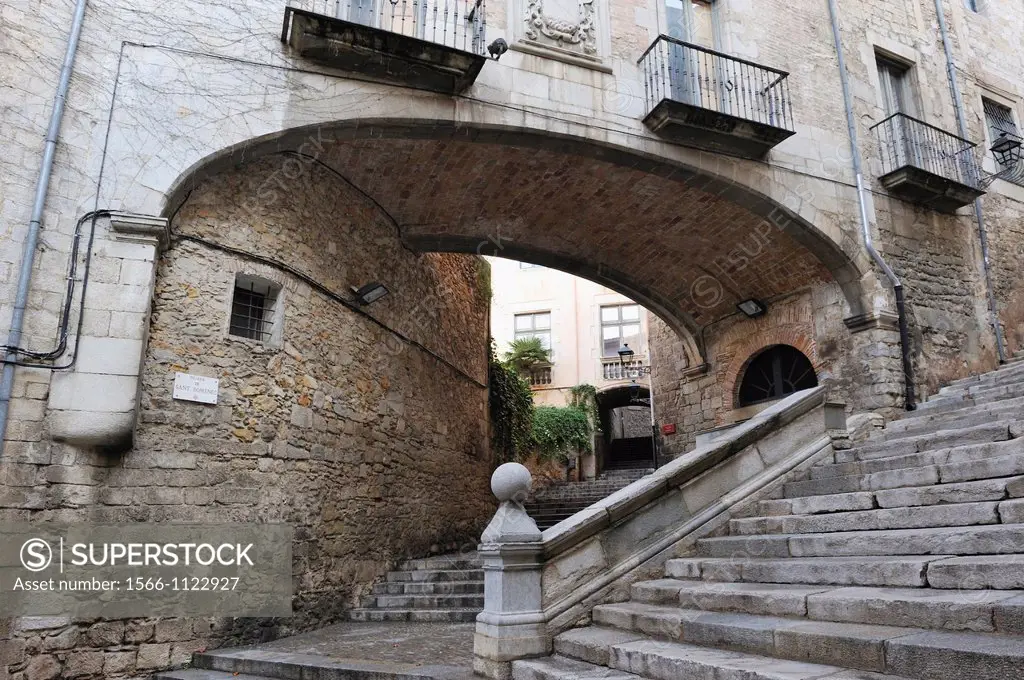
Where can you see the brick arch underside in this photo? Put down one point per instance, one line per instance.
(685, 245)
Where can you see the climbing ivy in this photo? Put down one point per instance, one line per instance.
(561, 432)
(584, 397)
(511, 406)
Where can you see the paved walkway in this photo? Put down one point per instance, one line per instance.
(437, 650)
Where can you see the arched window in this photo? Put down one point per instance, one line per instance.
(775, 372)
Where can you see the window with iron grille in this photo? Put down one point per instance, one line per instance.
(254, 308)
(999, 120)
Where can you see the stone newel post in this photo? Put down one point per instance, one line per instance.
(512, 623)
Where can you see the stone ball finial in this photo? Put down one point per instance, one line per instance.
(511, 481)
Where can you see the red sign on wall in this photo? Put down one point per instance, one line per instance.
(668, 428)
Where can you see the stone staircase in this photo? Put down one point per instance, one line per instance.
(555, 503)
(900, 558)
(444, 588)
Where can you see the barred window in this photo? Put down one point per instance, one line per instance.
(254, 308)
(999, 120)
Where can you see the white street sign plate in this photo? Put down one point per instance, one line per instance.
(196, 388)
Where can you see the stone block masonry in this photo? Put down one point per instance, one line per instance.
(373, 446)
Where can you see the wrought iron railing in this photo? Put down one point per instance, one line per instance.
(460, 24)
(711, 80)
(905, 141)
(613, 368)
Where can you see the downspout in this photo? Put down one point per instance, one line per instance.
(865, 224)
(961, 122)
(35, 221)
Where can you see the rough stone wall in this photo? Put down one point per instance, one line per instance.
(861, 370)
(374, 449)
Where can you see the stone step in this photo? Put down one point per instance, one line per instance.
(1004, 375)
(960, 514)
(813, 505)
(906, 571)
(975, 610)
(559, 668)
(1001, 572)
(665, 660)
(964, 412)
(203, 674)
(954, 492)
(996, 489)
(425, 575)
(429, 588)
(414, 615)
(254, 662)
(943, 439)
(974, 470)
(997, 539)
(937, 457)
(462, 601)
(909, 651)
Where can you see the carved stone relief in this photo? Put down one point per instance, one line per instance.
(579, 33)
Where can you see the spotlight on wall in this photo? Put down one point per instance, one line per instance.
(752, 308)
(371, 292)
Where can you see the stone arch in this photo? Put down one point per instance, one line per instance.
(756, 216)
(758, 343)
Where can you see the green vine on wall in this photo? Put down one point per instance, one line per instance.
(562, 432)
(584, 397)
(511, 406)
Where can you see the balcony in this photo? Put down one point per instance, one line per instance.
(435, 45)
(927, 165)
(708, 100)
(539, 375)
(612, 368)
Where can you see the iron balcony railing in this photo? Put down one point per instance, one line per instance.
(459, 24)
(711, 80)
(905, 141)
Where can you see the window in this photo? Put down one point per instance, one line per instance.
(534, 325)
(894, 80)
(620, 324)
(254, 308)
(999, 120)
(774, 373)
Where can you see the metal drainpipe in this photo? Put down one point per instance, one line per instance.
(897, 285)
(961, 121)
(35, 221)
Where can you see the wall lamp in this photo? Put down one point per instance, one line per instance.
(1007, 149)
(371, 292)
(752, 308)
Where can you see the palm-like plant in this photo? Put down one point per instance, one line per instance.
(525, 353)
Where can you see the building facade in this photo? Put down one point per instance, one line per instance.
(583, 324)
(226, 177)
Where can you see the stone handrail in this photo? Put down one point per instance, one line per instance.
(538, 584)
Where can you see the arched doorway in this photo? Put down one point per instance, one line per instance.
(627, 437)
(774, 373)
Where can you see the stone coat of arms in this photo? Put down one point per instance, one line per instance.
(563, 32)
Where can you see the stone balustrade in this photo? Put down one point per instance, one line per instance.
(538, 584)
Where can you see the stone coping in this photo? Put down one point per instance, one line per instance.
(572, 531)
